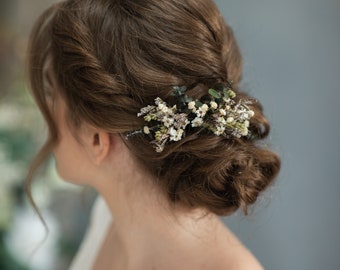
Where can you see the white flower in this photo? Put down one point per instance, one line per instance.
(175, 135)
(163, 108)
(227, 107)
(219, 131)
(246, 123)
(180, 132)
(244, 132)
(230, 119)
(251, 113)
(197, 122)
(213, 105)
(191, 105)
(176, 138)
(221, 120)
(167, 121)
(204, 108)
(201, 112)
(223, 112)
(146, 130)
(172, 131)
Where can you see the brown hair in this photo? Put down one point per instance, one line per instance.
(113, 57)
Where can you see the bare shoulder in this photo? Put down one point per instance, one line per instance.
(232, 254)
(231, 258)
(247, 262)
(222, 251)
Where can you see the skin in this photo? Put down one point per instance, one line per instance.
(148, 232)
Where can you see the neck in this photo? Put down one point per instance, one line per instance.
(145, 222)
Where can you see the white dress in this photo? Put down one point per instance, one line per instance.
(100, 222)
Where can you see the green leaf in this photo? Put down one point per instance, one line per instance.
(219, 87)
(226, 95)
(198, 104)
(214, 93)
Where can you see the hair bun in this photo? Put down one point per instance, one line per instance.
(220, 179)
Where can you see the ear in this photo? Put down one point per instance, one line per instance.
(98, 144)
(101, 146)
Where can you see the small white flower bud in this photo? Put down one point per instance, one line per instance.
(230, 119)
(191, 105)
(165, 109)
(172, 131)
(221, 120)
(197, 122)
(213, 105)
(180, 132)
(146, 130)
(219, 131)
(204, 108)
(223, 112)
(244, 132)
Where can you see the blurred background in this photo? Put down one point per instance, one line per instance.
(291, 53)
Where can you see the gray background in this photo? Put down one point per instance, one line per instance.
(291, 55)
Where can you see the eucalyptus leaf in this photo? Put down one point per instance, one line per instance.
(198, 104)
(214, 93)
(225, 92)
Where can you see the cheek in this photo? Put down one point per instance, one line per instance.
(62, 161)
(63, 164)
(67, 153)
(70, 162)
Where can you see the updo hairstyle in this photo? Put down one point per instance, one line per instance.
(113, 57)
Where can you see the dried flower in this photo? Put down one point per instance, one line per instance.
(230, 119)
(224, 116)
(146, 130)
(167, 121)
(219, 130)
(197, 122)
(191, 105)
(213, 105)
(223, 112)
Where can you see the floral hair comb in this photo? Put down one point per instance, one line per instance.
(219, 113)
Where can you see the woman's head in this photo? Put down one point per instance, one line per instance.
(110, 58)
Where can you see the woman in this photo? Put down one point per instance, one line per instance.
(142, 103)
